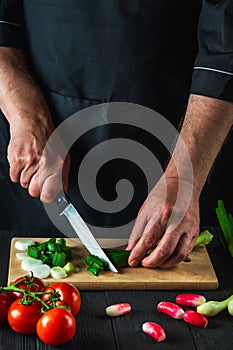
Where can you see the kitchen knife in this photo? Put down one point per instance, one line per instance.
(86, 237)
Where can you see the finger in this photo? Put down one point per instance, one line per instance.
(27, 174)
(45, 187)
(65, 173)
(148, 240)
(137, 230)
(16, 167)
(182, 251)
(34, 187)
(164, 249)
(50, 188)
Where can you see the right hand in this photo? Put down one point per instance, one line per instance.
(34, 168)
(30, 128)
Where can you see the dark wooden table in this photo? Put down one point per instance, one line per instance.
(95, 330)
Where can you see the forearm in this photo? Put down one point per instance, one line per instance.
(206, 125)
(19, 94)
(32, 164)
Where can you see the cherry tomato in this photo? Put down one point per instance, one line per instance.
(38, 286)
(5, 302)
(68, 293)
(56, 327)
(23, 318)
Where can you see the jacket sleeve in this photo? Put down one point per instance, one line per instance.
(213, 69)
(11, 24)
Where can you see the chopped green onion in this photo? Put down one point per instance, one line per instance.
(62, 241)
(54, 247)
(59, 259)
(94, 269)
(43, 246)
(204, 237)
(46, 259)
(119, 257)
(95, 264)
(41, 271)
(52, 252)
(28, 263)
(69, 267)
(21, 256)
(23, 244)
(34, 252)
(58, 272)
(67, 250)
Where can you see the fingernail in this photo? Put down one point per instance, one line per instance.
(133, 263)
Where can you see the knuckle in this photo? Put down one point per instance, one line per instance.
(148, 240)
(182, 255)
(16, 161)
(31, 159)
(163, 251)
(167, 210)
(175, 234)
(47, 197)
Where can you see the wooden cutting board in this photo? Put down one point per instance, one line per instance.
(196, 274)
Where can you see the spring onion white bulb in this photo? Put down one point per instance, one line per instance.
(23, 244)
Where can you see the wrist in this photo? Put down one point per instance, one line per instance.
(193, 184)
(12, 66)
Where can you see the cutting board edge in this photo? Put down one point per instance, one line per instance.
(153, 286)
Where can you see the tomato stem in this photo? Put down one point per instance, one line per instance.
(28, 297)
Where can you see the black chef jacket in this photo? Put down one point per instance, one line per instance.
(82, 53)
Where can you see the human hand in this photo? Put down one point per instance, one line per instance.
(156, 221)
(35, 167)
(159, 221)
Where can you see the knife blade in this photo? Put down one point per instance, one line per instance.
(80, 227)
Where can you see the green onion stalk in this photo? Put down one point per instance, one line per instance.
(119, 257)
(225, 220)
(212, 308)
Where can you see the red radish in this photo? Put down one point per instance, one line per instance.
(171, 309)
(190, 299)
(154, 330)
(118, 309)
(195, 318)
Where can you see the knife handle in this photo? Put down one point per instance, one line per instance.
(62, 201)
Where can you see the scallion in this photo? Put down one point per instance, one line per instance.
(226, 223)
(119, 257)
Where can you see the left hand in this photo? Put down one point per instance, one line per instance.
(155, 224)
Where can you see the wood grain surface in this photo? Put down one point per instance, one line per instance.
(196, 274)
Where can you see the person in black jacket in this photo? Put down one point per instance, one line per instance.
(58, 57)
